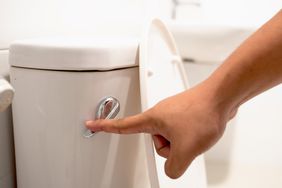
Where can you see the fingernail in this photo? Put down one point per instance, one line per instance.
(88, 123)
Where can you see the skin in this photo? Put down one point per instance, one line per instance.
(187, 124)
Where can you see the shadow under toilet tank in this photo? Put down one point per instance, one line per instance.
(59, 83)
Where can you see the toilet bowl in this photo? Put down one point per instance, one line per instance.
(62, 82)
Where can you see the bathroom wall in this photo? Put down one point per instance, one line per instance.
(249, 13)
(31, 18)
(242, 12)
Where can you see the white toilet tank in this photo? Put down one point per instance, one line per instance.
(59, 82)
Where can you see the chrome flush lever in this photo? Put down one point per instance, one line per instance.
(108, 108)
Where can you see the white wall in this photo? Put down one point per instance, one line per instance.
(31, 18)
(250, 13)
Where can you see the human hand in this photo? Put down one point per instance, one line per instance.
(183, 127)
(188, 124)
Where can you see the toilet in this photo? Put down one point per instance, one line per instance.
(61, 82)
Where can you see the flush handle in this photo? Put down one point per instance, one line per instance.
(108, 108)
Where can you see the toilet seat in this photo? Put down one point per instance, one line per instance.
(162, 75)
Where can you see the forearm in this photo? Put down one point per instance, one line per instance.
(253, 68)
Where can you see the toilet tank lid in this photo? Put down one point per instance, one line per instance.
(75, 53)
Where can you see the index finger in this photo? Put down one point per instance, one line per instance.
(140, 123)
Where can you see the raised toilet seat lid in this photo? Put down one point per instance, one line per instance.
(162, 74)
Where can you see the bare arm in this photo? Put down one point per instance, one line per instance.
(253, 68)
(183, 131)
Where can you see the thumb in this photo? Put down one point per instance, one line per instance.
(134, 124)
(176, 163)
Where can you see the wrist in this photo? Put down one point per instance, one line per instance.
(220, 98)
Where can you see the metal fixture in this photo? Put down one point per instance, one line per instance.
(107, 108)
